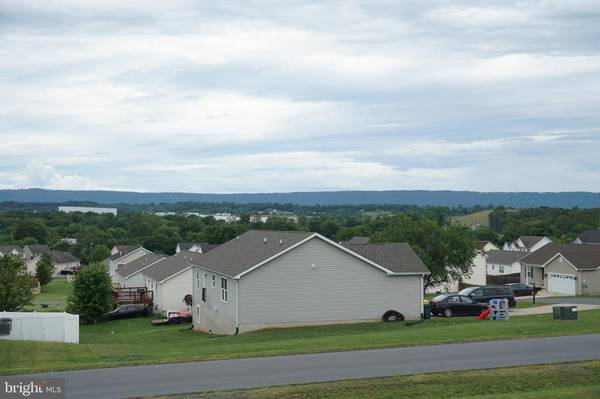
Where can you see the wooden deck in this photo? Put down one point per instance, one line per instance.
(133, 295)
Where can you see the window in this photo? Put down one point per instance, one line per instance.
(466, 299)
(501, 269)
(214, 281)
(224, 294)
(198, 279)
(454, 299)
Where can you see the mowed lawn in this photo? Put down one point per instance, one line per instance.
(130, 342)
(580, 380)
(54, 295)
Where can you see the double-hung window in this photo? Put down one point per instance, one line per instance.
(224, 293)
(214, 281)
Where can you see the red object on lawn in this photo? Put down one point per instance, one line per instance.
(483, 314)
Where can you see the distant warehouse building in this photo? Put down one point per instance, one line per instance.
(85, 209)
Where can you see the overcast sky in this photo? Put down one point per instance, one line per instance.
(260, 96)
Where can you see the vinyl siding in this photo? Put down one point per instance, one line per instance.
(116, 277)
(172, 291)
(340, 288)
(213, 295)
(592, 279)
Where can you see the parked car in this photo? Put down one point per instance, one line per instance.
(128, 311)
(456, 305)
(485, 294)
(520, 289)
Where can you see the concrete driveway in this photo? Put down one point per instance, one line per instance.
(548, 308)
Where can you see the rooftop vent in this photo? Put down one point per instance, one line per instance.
(265, 240)
(280, 242)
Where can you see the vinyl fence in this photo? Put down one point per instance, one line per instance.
(40, 326)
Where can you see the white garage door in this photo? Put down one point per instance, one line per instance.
(561, 283)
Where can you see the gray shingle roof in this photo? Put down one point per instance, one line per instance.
(240, 254)
(397, 257)
(7, 249)
(37, 249)
(138, 264)
(171, 265)
(499, 257)
(125, 249)
(590, 236)
(582, 256)
(63, 257)
(530, 241)
(249, 249)
(357, 240)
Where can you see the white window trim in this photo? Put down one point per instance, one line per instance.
(224, 290)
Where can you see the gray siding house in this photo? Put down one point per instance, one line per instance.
(265, 279)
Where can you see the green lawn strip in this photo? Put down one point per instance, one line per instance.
(54, 295)
(565, 380)
(135, 341)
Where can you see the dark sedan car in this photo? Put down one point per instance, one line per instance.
(486, 294)
(456, 305)
(520, 289)
(128, 311)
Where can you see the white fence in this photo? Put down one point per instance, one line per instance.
(40, 326)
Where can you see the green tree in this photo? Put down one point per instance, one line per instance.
(92, 294)
(15, 284)
(447, 251)
(98, 253)
(44, 269)
(31, 227)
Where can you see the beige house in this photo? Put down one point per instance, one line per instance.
(571, 269)
(64, 264)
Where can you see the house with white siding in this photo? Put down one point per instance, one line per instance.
(171, 279)
(130, 274)
(200, 247)
(64, 264)
(588, 237)
(264, 279)
(500, 262)
(31, 251)
(526, 243)
(13, 250)
(123, 255)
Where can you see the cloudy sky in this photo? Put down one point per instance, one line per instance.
(257, 96)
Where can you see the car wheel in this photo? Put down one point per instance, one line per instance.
(448, 312)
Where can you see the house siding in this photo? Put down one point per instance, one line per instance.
(173, 290)
(340, 288)
(214, 314)
(592, 280)
(112, 266)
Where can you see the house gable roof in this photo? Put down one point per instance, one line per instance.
(63, 257)
(357, 240)
(124, 251)
(590, 237)
(7, 249)
(204, 246)
(480, 244)
(256, 247)
(581, 256)
(500, 257)
(37, 249)
(138, 264)
(167, 267)
(530, 241)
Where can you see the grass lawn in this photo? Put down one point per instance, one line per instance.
(481, 218)
(135, 341)
(54, 295)
(578, 380)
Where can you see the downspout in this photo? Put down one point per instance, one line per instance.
(422, 297)
(237, 306)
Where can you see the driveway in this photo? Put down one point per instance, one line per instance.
(578, 300)
(266, 371)
(548, 308)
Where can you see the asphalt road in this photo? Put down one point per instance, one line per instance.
(266, 371)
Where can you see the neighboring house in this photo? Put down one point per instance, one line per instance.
(226, 217)
(64, 263)
(588, 237)
(124, 255)
(31, 251)
(572, 269)
(501, 262)
(264, 279)
(171, 279)
(527, 243)
(478, 270)
(130, 274)
(86, 209)
(199, 247)
(14, 250)
(68, 240)
(357, 240)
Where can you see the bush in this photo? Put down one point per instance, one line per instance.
(92, 294)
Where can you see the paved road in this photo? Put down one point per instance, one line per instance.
(266, 371)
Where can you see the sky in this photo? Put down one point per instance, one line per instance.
(278, 96)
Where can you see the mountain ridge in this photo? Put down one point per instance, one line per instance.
(569, 199)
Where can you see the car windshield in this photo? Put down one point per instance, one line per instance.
(439, 298)
(467, 291)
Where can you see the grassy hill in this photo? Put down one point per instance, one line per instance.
(477, 218)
